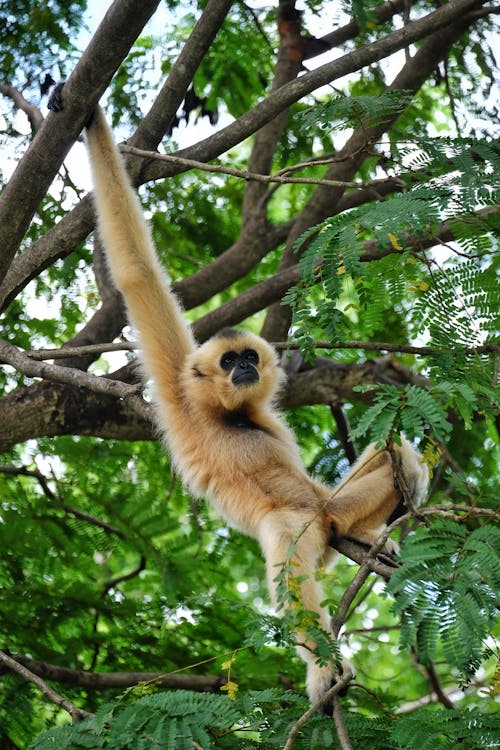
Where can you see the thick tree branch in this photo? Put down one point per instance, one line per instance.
(13, 356)
(121, 26)
(271, 290)
(57, 243)
(288, 66)
(381, 13)
(360, 144)
(77, 224)
(156, 122)
(50, 408)
(278, 100)
(323, 201)
(216, 144)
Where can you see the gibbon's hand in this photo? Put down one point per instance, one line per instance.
(55, 102)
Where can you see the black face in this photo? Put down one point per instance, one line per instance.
(241, 365)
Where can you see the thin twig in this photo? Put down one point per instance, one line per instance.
(343, 681)
(385, 346)
(77, 714)
(440, 694)
(82, 351)
(338, 718)
(125, 577)
(254, 176)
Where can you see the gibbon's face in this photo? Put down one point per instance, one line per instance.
(232, 370)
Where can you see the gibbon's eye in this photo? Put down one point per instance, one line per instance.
(250, 355)
(228, 361)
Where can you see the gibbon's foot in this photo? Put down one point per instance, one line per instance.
(390, 548)
(319, 681)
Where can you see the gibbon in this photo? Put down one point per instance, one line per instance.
(215, 406)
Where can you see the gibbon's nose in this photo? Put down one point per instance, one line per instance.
(244, 373)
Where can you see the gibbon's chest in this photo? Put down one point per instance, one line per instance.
(207, 447)
(243, 465)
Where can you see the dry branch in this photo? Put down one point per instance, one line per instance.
(250, 176)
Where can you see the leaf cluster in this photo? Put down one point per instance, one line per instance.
(446, 593)
(37, 38)
(260, 719)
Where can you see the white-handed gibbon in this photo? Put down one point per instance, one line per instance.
(215, 406)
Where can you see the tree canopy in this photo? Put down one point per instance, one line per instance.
(324, 174)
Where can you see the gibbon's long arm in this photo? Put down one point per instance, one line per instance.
(153, 309)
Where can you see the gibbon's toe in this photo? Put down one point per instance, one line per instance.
(391, 548)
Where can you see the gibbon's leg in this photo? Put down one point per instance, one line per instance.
(366, 499)
(294, 540)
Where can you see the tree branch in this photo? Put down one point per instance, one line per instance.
(110, 44)
(278, 100)
(32, 112)
(156, 122)
(50, 408)
(13, 356)
(360, 144)
(341, 684)
(382, 13)
(77, 714)
(250, 176)
(118, 680)
(381, 346)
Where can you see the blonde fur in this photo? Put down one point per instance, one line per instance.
(228, 441)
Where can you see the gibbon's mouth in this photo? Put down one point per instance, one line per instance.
(245, 377)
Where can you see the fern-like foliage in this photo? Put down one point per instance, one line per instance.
(410, 409)
(353, 111)
(451, 304)
(163, 721)
(442, 730)
(261, 720)
(446, 592)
